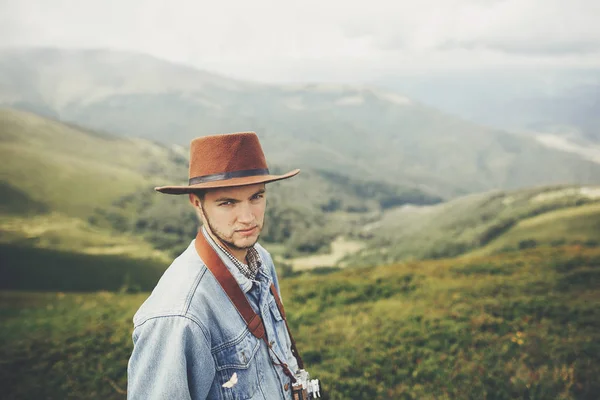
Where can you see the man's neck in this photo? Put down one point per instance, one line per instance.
(239, 254)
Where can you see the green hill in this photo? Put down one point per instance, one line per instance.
(577, 225)
(52, 178)
(361, 132)
(73, 170)
(69, 189)
(485, 223)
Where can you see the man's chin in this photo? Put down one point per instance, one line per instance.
(246, 242)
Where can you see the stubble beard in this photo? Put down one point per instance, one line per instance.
(226, 242)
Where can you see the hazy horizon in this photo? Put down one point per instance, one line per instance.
(361, 42)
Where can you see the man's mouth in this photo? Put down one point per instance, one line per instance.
(247, 232)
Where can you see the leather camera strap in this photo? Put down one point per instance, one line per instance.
(239, 300)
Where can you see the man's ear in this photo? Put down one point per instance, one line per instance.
(194, 200)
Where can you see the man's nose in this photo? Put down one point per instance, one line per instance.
(245, 215)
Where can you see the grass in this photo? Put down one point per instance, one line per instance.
(78, 184)
(65, 345)
(55, 176)
(60, 232)
(521, 325)
(27, 268)
(570, 225)
(475, 221)
(503, 327)
(71, 170)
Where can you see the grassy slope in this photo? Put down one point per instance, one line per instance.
(469, 223)
(576, 224)
(54, 176)
(72, 170)
(515, 325)
(27, 268)
(63, 233)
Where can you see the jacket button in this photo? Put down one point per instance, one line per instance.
(286, 386)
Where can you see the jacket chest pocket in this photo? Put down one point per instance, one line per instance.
(275, 311)
(237, 370)
(281, 328)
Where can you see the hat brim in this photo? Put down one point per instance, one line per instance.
(248, 180)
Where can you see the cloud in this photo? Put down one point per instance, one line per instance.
(313, 39)
(557, 48)
(532, 28)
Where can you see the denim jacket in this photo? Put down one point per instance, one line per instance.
(190, 340)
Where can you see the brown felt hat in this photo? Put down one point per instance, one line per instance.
(232, 159)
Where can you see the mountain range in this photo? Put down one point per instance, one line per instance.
(362, 132)
(562, 101)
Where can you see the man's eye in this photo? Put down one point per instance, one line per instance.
(258, 196)
(225, 203)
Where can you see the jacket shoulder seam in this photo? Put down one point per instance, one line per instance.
(193, 289)
(188, 317)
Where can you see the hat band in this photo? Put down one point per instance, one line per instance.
(228, 175)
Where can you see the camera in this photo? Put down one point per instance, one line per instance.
(305, 388)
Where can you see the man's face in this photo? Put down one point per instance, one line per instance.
(235, 214)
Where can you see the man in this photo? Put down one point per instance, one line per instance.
(214, 326)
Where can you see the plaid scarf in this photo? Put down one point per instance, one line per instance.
(253, 258)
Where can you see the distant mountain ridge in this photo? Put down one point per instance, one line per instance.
(564, 100)
(359, 131)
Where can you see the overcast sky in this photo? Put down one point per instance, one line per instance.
(339, 40)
